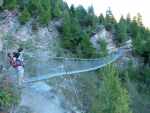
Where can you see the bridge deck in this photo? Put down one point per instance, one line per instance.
(60, 66)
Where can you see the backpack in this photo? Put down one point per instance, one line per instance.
(19, 62)
(16, 63)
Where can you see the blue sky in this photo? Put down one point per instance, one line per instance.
(118, 7)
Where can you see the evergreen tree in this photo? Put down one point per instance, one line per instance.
(137, 44)
(128, 21)
(85, 48)
(65, 7)
(57, 8)
(110, 21)
(66, 30)
(75, 27)
(41, 10)
(66, 24)
(82, 16)
(101, 19)
(128, 18)
(44, 11)
(139, 19)
(91, 11)
(92, 19)
(121, 31)
(112, 97)
(71, 32)
(134, 28)
(75, 34)
(103, 48)
(141, 45)
(72, 11)
(140, 38)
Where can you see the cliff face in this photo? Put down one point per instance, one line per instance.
(13, 35)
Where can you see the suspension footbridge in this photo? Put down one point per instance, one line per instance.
(60, 66)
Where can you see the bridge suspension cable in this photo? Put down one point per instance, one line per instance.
(56, 66)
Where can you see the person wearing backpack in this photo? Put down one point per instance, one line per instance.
(17, 64)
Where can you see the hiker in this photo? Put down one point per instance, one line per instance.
(19, 66)
(16, 63)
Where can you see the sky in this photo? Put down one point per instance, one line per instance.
(118, 7)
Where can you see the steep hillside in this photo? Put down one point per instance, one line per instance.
(50, 28)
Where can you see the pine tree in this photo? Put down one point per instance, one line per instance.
(85, 48)
(57, 11)
(72, 11)
(41, 10)
(121, 31)
(128, 18)
(137, 44)
(65, 6)
(103, 48)
(44, 11)
(71, 32)
(101, 19)
(82, 16)
(128, 21)
(75, 26)
(92, 19)
(139, 19)
(66, 24)
(134, 29)
(75, 34)
(110, 21)
(112, 97)
(66, 29)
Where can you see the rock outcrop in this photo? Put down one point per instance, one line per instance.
(102, 34)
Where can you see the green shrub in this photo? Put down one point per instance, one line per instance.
(103, 48)
(9, 95)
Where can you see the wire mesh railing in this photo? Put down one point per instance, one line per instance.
(58, 66)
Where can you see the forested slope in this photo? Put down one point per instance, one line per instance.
(114, 90)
